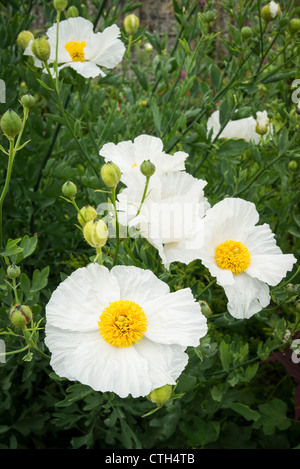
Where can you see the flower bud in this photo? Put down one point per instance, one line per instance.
(86, 214)
(24, 38)
(110, 174)
(20, 315)
(160, 395)
(291, 289)
(60, 5)
(148, 47)
(270, 12)
(293, 165)
(41, 48)
(11, 124)
(72, 12)
(27, 101)
(209, 16)
(131, 24)
(246, 32)
(294, 25)
(13, 271)
(95, 233)
(262, 122)
(297, 306)
(69, 189)
(147, 168)
(205, 309)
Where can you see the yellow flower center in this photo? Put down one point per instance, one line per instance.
(233, 255)
(134, 165)
(75, 49)
(122, 323)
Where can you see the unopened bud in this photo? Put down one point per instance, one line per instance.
(86, 214)
(160, 395)
(60, 5)
(205, 309)
(262, 123)
(95, 233)
(110, 174)
(24, 38)
(147, 168)
(27, 101)
(69, 189)
(13, 271)
(20, 315)
(41, 48)
(297, 306)
(246, 32)
(131, 24)
(294, 25)
(11, 124)
(148, 47)
(209, 16)
(293, 165)
(72, 12)
(270, 12)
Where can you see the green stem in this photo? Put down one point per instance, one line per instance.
(113, 196)
(6, 185)
(15, 291)
(144, 195)
(127, 55)
(55, 65)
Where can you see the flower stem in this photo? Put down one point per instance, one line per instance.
(113, 196)
(144, 195)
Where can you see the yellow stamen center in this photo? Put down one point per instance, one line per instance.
(122, 323)
(233, 255)
(75, 49)
(134, 165)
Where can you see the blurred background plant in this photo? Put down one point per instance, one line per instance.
(210, 55)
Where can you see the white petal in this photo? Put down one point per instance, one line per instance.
(61, 344)
(85, 69)
(108, 49)
(247, 296)
(121, 154)
(77, 302)
(165, 362)
(175, 318)
(270, 268)
(138, 285)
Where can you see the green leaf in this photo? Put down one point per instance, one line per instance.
(11, 248)
(225, 355)
(273, 415)
(39, 279)
(28, 246)
(245, 411)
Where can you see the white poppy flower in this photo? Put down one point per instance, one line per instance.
(121, 331)
(170, 214)
(244, 129)
(128, 155)
(82, 49)
(242, 256)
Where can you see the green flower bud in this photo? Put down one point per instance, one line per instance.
(147, 168)
(294, 25)
(270, 12)
(297, 306)
(148, 47)
(41, 48)
(205, 309)
(131, 24)
(11, 124)
(27, 101)
(209, 16)
(69, 189)
(60, 5)
(293, 165)
(86, 214)
(110, 174)
(160, 395)
(72, 12)
(13, 271)
(246, 32)
(24, 38)
(20, 315)
(95, 233)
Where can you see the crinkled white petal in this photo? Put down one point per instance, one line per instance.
(78, 301)
(247, 296)
(271, 268)
(85, 69)
(175, 318)
(107, 50)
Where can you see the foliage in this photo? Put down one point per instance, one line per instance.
(230, 395)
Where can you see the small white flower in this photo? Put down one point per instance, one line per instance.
(82, 49)
(244, 129)
(242, 256)
(122, 330)
(170, 214)
(128, 155)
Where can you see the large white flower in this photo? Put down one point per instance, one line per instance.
(169, 216)
(242, 256)
(121, 331)
(82, 49)
(128, 155)
(244, 129)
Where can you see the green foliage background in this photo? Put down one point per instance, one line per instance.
(229, 395)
